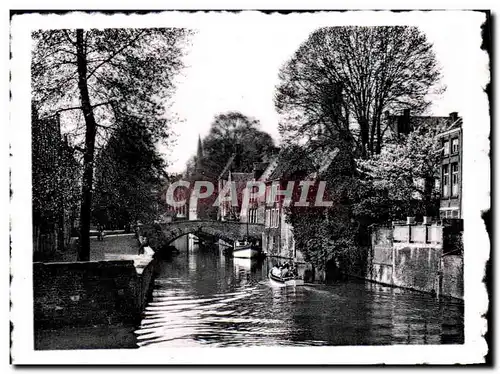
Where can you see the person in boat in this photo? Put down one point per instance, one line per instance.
(276, 270)
(285, 272)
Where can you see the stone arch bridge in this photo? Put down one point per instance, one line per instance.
(161, 235)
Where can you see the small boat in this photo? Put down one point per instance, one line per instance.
(244, 249)
(286, 281)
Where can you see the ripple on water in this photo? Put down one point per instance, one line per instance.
(213, 302)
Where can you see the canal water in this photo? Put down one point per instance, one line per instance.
(202, 298)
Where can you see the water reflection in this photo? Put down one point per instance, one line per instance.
(202, 298)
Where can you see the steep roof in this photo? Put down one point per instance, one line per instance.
(241, 177)
(453, 126)
(290, 162)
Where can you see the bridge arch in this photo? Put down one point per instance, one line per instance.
(162, 235)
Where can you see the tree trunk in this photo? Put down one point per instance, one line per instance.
(372, 136)
(88, 157)
(379, 138)
(365, 130)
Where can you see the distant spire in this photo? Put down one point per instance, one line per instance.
(199, 157)
(199, 153)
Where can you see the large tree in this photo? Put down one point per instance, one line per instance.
(92, 77)
(341, 80)
(129, 176)
(226, 132)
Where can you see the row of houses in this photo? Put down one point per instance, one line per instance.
(269, 210)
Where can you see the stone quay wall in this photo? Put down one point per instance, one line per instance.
(413, 256)
(91, 293)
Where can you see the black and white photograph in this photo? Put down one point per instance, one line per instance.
(284, 187)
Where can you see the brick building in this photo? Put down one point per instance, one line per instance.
(451, 169)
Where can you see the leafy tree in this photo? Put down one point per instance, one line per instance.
(129, 177)
(342, 79)
(92, 77)
(227, 131)
(403, 176)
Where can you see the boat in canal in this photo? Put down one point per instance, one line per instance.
(276, 278)
(245, 249)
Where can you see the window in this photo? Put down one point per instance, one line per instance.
(454, 180)
(269, 195)
(454, 145)
(275, 218)
(446, 147)
(268, 218)
(252, 194)
(446, 180)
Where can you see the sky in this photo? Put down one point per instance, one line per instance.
(233, 64)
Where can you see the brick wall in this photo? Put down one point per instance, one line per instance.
(89, 293)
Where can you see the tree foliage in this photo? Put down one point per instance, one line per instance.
(404, 175)
(342, 79)
(228, 130)
(129, 72)
(55, 181)
(94, 78)
(325, 234)
(129, 176)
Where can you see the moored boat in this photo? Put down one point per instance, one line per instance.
(245, 250)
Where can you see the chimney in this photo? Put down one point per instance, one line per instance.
(453, 116)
